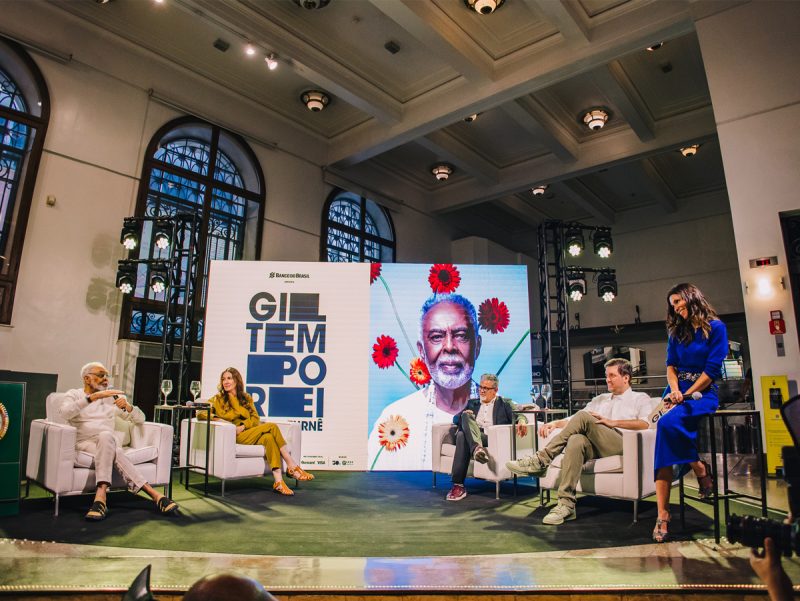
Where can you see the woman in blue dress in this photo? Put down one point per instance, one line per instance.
(698, 342)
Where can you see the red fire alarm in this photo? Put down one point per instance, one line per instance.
(777, 326)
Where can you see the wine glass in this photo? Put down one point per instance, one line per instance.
(194, 388)
(547, 394)
(535, 394)
(166, 388)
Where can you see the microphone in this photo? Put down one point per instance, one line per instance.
(695, 396)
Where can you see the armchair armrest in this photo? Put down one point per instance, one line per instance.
(638, 453)
(160, 437)
(438, 432)
(500, 446)
(222, 454)
(293, 435)
(51, 455)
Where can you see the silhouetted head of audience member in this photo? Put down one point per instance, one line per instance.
(227, 587)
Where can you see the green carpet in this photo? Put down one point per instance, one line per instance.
(372, 514)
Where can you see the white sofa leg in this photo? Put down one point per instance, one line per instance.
(56, 513)
(635, 511)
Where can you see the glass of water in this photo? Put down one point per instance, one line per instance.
(535, 394)
(547, 394)
(166, 388)
(195, 388)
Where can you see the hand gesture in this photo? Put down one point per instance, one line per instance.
(122, 402)
(545, 429)
(522, 430)
(240, 428)
(675, 397)
(602, 420)
(104, 394)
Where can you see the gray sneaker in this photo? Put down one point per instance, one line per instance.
(529, 465)
(559, 514)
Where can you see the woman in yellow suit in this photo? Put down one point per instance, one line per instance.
(234, 405)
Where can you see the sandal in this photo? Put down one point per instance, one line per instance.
(97, 512)
(298, 473)
(280, 487)
(705, 484)
(167, 506)
(661, 531)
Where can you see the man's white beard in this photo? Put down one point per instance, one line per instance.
(449, 381)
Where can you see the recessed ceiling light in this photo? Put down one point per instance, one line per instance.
(442, 171)
(595, 118)
(312, 4)
(315, 100)
(471, 118)
(540, 189)
(249, 50)
(690, 151)
(655, 46)
(272, 61)
(484, 7)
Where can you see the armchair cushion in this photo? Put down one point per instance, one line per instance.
(249, 450)
(603, 465)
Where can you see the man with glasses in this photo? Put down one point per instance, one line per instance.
(92, 410)
(589, 434)
(489, 409)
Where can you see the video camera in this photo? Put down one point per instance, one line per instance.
(751, 531)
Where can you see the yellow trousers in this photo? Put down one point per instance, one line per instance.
(270, 437)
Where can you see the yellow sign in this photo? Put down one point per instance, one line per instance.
(774, 393)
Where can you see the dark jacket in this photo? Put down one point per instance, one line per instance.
(503, 411)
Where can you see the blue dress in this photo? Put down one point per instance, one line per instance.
(676, 433)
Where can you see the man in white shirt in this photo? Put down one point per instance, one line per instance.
(589, 434)
(92, 410)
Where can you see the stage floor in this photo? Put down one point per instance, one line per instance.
(367, 532)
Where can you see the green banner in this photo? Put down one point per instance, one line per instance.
(12, 418)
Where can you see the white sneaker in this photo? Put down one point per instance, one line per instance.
(559, 514)
(530, 465)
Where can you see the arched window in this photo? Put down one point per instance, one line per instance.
(24, 114)
(356, 229)
(195, 167)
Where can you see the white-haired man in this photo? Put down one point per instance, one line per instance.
(92, 410)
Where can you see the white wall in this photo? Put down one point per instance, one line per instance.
(66, 310)
(755, 90)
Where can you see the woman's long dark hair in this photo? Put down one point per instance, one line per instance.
(237, 377)
(701, 313)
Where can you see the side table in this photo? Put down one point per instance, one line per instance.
(175, 414)
(727, 494)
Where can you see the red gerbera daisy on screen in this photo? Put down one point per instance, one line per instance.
(444, 277)
(384, 352)
(493, 315)
(374, 272)
(393, 433)
(418, 372)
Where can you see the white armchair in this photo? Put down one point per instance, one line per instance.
(628, 476)
(227, 459)
(500, 447)
(54, 463)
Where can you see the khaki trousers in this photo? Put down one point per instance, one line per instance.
(270, 437)
(581, 439)
(108, 455)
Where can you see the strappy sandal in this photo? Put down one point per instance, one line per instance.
(705, 484)
(298, 473)
(281, 488)
(661, 531)
(97, 512)
(167, 506)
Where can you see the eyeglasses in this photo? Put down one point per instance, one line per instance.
(101, 375)
(486, 388)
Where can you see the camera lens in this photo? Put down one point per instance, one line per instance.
(751, 532)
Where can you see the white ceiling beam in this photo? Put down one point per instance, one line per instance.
(616, 85)
(448, 149)
(447, 105)
(527, 113)
(312, 64)
(583, 196)
(427, 23)
(564, 16)
(657, 187)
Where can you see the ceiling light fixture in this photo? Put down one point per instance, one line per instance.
(655, 47)
(272, 61)
(484, 7)
(690, 151)
(595, 118)
(315, 100)
(312, 4)
(540, 189)
(471, 118)
(249, 50)
(442, 171)
(607, 285)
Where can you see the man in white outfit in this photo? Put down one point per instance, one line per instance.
(92, 410)
(589, 434)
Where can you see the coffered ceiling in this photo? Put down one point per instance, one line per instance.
(530, 71)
